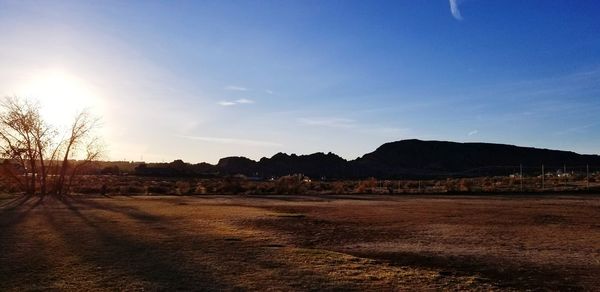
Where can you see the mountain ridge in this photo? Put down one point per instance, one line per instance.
(410, 158)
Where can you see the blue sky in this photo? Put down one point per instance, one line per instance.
(200, 80)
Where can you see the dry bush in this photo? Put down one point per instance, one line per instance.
(230, 185)
(409, 185)
(488, 185)
(200, 189)
(338, 187)
(366, 186)
(184, 188)
(267, 187)
(452, 185)
(289, 185)
(318, 187)
(389, 184)
(465, 185)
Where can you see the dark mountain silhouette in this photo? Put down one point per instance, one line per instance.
(440, 158)
(401, 159)
(314, 165)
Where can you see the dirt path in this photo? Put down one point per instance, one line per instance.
(299, 243)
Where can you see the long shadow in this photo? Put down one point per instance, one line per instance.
(120, 253)
(164, 264)
(504, 274)
(521, 277)
(15, 211)
(16, 201)
(132, 212)
(20, 259)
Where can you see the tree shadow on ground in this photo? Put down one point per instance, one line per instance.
(128, 245)
(20, 259)
(97, 241)
(311, 232)
(16, 210)
(114, 244)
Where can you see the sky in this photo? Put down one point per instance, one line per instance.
(201, 80)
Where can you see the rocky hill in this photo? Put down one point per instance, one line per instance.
(401, 159)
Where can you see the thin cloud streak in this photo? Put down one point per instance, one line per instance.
(226, 103)
(473, 133)
(236, 88)
(244, 101)
(454, 9)
(235, 141)
(235, 102)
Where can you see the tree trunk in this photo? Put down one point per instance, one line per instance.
(63, 172)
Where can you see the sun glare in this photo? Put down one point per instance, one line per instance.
(61, 95)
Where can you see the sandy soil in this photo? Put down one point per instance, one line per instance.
(300, 243)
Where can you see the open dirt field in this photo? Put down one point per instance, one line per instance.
(377, 243)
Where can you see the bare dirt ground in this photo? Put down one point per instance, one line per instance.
(377, 243)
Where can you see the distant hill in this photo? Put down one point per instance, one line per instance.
(314, 165)
(401, 159)
(440, 158)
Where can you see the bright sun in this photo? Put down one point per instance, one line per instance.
(61, 95)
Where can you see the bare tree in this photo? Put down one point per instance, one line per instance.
(18, 123)
(39, 151)
(80, 132)
(93, 151)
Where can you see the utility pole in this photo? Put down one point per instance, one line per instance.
(543, 177)
(587, 176)
(565, 173)
(521, 170)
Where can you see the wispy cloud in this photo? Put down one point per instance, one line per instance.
(235, 102)
(235, 141)
(244, 101)
(268, 91)
(236, 88)
(454, 9)
(227, 103)
(473, 133)
(328, 122)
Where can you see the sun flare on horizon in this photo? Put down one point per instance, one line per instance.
(61, 95)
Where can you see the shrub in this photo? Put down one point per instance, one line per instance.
(199, 189)
(465, 185)
(289, 185)
(184, 188)
(366, 186)
(338, 187)
(230, 185)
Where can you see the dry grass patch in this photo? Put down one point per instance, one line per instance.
(298, 243)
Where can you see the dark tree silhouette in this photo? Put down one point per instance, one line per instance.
(39, 158)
